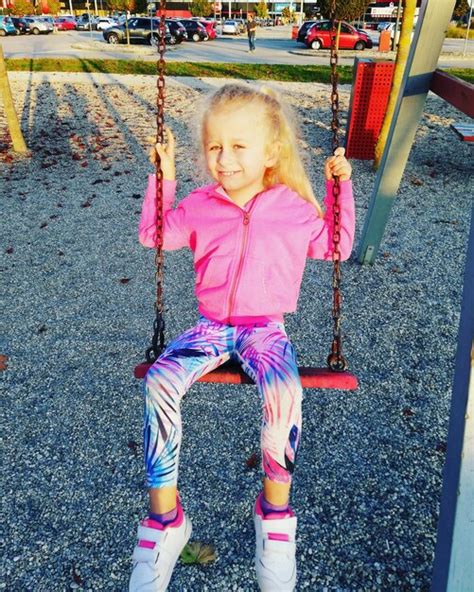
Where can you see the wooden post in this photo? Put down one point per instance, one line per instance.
(424, 54)
(10, 113)
(453, 569)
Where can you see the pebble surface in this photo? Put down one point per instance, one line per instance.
(78, 312)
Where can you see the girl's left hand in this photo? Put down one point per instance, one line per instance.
(337, 166)
(166, 152)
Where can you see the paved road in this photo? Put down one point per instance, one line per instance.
(274, 46)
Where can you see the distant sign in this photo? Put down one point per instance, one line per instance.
(280, 6)
(386, 11)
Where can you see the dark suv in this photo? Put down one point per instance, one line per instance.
(141, 30)
(177, 31)
(195, 31)
(20, 24)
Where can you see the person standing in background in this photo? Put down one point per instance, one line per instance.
(251, 32)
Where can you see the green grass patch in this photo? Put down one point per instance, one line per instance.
(279, 72)
(455, 32)
(466, 74)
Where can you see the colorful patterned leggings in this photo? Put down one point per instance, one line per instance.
(265, 354)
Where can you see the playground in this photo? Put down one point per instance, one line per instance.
(77, 318)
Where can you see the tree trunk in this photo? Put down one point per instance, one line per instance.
(10, 113)
(400, 62)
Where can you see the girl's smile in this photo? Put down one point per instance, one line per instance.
(237, 153)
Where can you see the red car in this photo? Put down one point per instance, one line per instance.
(319, 37)
(64, 24)
(210, 28)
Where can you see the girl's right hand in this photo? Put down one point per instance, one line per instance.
(166, 153)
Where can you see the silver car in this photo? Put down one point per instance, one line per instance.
(37, 26)
(230, 28)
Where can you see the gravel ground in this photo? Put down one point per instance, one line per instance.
(77, 316)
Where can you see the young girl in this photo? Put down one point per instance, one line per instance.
(250, 233)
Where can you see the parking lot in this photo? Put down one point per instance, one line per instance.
(274, 45)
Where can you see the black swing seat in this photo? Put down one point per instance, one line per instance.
(232, 373)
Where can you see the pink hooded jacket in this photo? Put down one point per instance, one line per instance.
(249, 261)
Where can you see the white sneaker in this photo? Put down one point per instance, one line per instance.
(157, 552)
(275, 561)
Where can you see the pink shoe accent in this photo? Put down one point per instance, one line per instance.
(146, 544)
(272, 515)
(278, 536)
(149, 523)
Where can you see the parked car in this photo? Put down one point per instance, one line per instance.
(37, 26)
(84, 23)
(46, 19)
(210, 27)
(241, 24)
(319, 37)
(7, 27)
(141, 30)
(230, 28)
(64, 24)
(177, 31)
(303, 31)
(104, 22)
(195, 31)
(20, 25)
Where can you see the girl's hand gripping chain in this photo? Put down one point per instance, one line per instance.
(337, 166)
(166, 153)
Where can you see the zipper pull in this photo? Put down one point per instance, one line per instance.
(246, 219)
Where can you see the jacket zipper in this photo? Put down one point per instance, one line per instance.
(243, 246)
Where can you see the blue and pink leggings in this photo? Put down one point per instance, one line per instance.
(265, 354)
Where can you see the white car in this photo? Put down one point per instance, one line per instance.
(105, 22)
(37, 26)
(230, 28)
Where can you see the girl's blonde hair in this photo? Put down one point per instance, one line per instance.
(289, 168)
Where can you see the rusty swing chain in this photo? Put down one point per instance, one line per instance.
(336, 360)
(158, 340)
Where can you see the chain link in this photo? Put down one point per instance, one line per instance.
(158, 340)
(336, 360)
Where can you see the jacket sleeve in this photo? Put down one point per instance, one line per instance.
(175, 234)
(321, 244)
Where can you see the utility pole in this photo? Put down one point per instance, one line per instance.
(468, 29)
(10, 113)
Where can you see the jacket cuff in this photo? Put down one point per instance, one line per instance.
(169, 191)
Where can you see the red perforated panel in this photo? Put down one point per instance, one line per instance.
(369, 98)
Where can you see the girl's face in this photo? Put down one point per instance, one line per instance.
(237, 154)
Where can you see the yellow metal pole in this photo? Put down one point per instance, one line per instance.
(19, 144)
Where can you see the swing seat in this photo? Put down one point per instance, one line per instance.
(232, 373)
